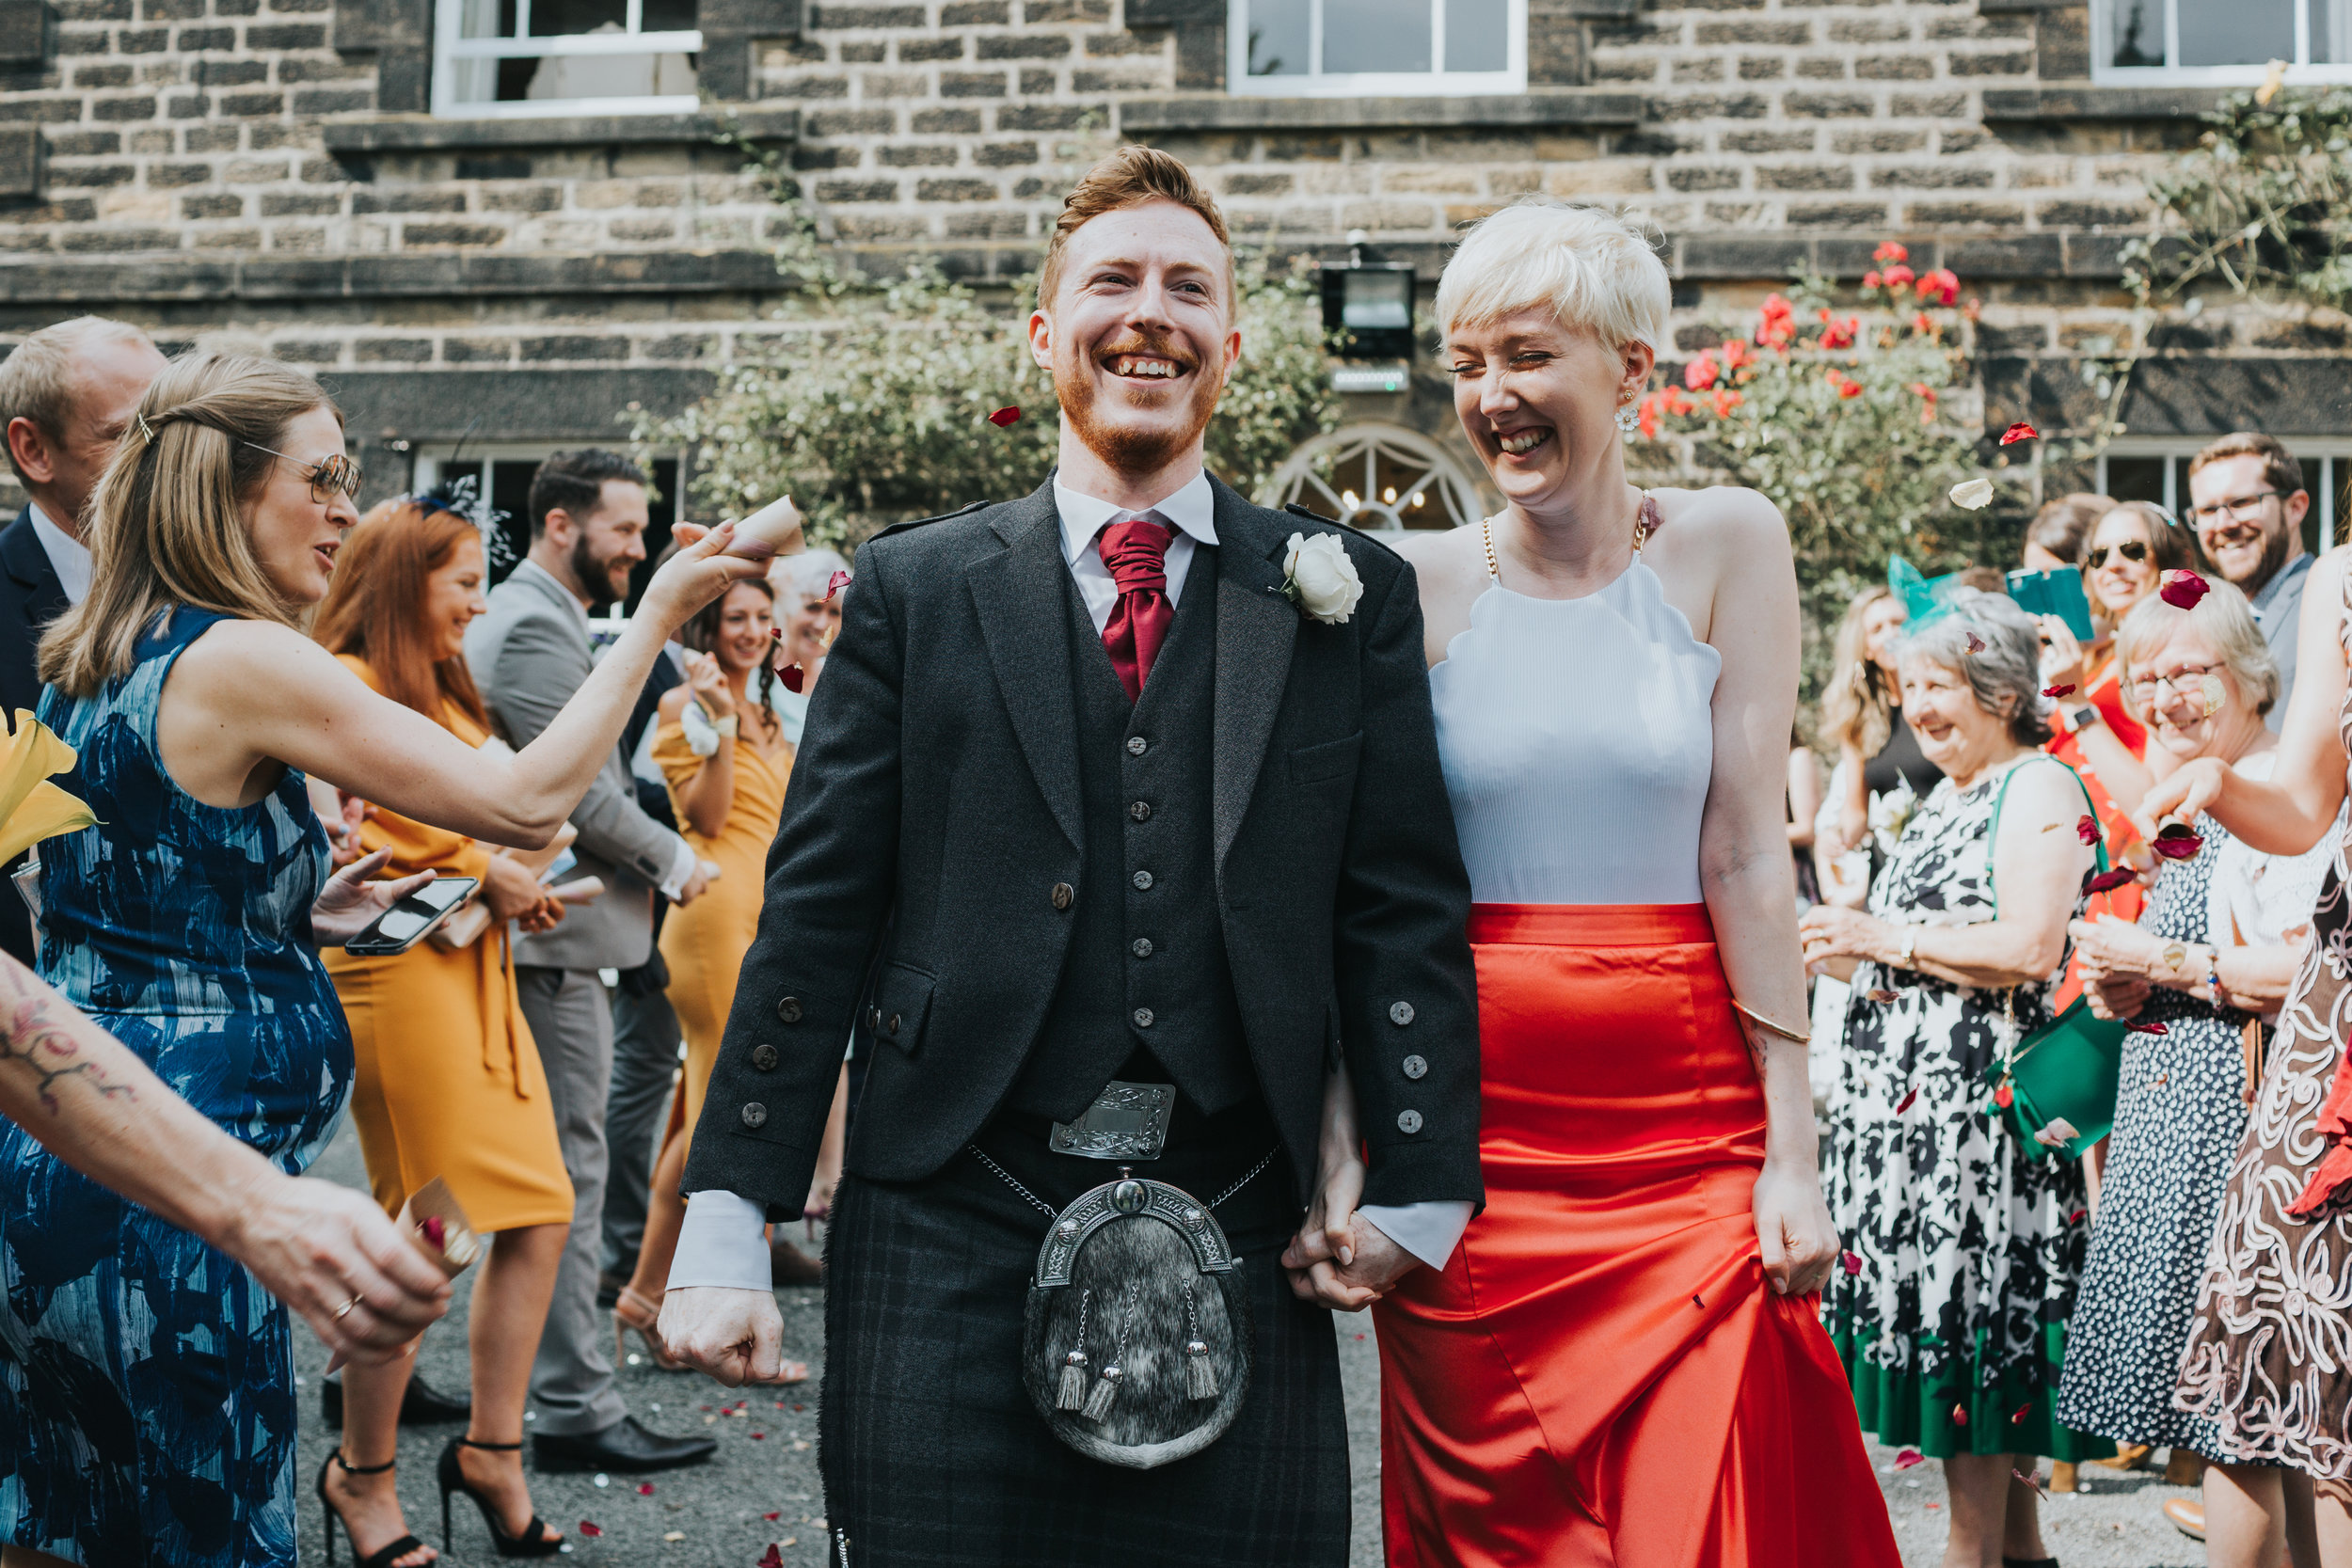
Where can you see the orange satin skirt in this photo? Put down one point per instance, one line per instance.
(1601, 1374)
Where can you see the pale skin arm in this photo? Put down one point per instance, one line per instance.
(1322, 1254)
(2253, 979)
(709, 794)
(252, 695)
(315, 1245)
(2294, 809)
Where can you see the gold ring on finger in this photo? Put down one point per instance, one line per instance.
(345, 1310)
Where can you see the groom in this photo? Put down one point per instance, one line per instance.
(1088, 796)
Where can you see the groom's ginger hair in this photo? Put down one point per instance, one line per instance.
(1130, 177)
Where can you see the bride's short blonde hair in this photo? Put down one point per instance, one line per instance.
(1591, 269)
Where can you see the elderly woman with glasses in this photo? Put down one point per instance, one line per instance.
(2213, 954)
(1968, 1242)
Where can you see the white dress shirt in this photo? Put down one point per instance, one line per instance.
(68, 556)
(721, 1239)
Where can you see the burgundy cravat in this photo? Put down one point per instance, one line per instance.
(1135, 551)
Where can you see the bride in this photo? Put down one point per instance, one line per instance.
(1622, 1361)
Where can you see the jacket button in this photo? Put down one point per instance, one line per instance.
(1061, 895)
(789, 1010)
(1415, 1067)
(1401, 1014)
(764, 1058)
(1408, 1122)
(1143, 1017)
(1142, 880)
(1136, 745)
(891, 1026)
(1141, 947)
(1140, 811)
(873, 1019)
(756, 1114)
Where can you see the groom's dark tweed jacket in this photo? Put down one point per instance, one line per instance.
(929, 862)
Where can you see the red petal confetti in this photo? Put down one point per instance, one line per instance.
(2176, 842)
(589, 1529)
(2146, 1028)
(2183, 589)
(1881, 995)
(1358, 1336)
(1850, 1262)
(1906, 1101)
(644, 1489)
(776, 1516)
(2021, 430)
(1906, 1458)
(835, 584)
(800, 1407)
(2087, 827)
(775, 1558)
(1960, 1415)
(2057, 692)
(794, 677)
(2004, 1097)
(758, 1436)
(2032, 1481)
(2106, 881)
(1003, 418)
(1975, 643)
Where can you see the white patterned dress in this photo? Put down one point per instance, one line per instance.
(1971, 1245)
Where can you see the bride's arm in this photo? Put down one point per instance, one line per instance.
(1745, 869)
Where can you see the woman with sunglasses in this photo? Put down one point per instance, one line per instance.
(157, 1423)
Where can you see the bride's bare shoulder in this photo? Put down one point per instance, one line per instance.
(1443, 559)
(1725, 523)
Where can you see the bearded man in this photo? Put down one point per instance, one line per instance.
(1117, 824)
(2247, 503)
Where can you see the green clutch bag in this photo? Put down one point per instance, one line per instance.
(2072, 1067)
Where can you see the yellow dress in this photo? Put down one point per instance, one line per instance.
(449, 1082)
(703, 942)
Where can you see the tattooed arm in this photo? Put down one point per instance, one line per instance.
(84, 1096)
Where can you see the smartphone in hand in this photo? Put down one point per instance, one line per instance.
(412, 918)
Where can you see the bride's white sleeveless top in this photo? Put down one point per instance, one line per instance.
(1578, 739)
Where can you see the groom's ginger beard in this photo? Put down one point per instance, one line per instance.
(1097, 422)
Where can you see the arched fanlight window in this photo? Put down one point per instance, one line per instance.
(1381, 478)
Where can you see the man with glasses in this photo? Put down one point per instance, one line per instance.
(2247, 502)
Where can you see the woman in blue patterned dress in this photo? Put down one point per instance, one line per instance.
(146, 1379)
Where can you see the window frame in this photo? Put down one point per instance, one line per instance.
(2332, 453)
(430, 460)
(449, 47)
(2299, 69)
(1364, 84)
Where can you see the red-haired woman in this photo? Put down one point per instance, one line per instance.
(449, 1082)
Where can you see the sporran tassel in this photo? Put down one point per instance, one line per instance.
(1072, 1394)
(1199, 1377)
(1098, 1406)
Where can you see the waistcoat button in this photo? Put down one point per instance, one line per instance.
(1143, 881)
(1142, 947)
(1143, 1017)
(1136, 745)
(764, 1058)
(1408, 1122)
(1401, 1014)
(756, 1114)
(1415, 1067)
(1061, 895)
(1140, 811)
(789, 1010)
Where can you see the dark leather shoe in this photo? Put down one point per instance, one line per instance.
(423, 1405)
(622, 1446)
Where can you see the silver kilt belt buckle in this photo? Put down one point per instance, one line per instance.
(1136, 1346)
(1127, 1121)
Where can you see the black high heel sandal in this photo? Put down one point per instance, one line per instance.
(389, 1555)
(534, 1540)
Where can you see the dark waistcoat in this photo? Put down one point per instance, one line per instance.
(1146, 967)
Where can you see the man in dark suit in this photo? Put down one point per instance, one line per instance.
(65, 396)
(1091, 794)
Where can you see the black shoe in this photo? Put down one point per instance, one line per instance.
(385, 1556)
(423, 1405)
(536, 1540)
(622, 1446)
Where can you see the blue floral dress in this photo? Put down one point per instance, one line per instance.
(146, 1411)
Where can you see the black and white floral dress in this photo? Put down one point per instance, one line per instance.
(2180, 1111)
(1970, 1244)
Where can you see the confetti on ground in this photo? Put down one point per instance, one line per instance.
(588, 1529)
(1906, 1458)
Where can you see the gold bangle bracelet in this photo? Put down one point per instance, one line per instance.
(1767, 1024)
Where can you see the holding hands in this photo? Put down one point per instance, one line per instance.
(1338, 1258)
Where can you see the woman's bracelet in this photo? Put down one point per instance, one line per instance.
(727, 726)
(1768, 1025)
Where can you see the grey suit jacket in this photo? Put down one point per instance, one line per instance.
(529, 655)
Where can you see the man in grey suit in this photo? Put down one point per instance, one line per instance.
(529, 654)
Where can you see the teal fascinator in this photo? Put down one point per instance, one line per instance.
(1927, 599)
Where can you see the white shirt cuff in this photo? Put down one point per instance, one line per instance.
(722, 1243)
(1427, 1231)
(682, 866)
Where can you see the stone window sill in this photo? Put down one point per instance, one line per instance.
(425, 133)
(2086, 100)
(1217, 112)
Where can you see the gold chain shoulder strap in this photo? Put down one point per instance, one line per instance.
(1644, 524)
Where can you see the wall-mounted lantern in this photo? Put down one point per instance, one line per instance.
(1368, 308)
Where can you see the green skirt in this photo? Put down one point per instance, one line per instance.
(1957, 1413)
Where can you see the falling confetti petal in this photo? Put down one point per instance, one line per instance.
(2033, 1481)
(2021, 430)
(1003, 418)
(2004, 1097)
(2087, 827)
(2183, 589)
(589, 1529)
(1850, 1262)
(794, 677)
(1700, 1304)
(2175, 842)
(1881, 995)
(2054, 692)
(2138, 1028)
(1973, 495)
(2106, 881)
(1906, 1458)
(1960, 1415)
(1975, 643)
(2022, 1411)
(835, 584)
(2076, 1216)
(1906, 1101)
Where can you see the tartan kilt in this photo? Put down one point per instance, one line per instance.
(931, 1453)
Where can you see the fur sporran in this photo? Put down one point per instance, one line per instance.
(1136, 1348)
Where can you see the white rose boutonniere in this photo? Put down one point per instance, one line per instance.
(1319, 579)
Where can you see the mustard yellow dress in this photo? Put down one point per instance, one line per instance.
(703, 942)
(449, 1082)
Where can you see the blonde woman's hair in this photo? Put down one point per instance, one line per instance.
(2225, 618)
(1593, 270)
(166, 526)
(1856, 708)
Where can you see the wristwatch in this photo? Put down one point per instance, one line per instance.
(2176, 958)
(1910, 947)
(2081, 718)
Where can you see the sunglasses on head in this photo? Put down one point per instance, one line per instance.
(2130, 549)
(337, 473)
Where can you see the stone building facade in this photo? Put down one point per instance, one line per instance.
(513, 273)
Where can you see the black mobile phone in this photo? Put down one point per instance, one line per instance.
(412, 918)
